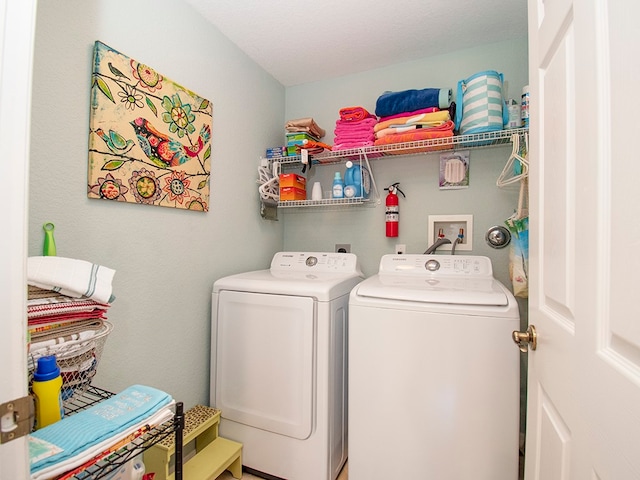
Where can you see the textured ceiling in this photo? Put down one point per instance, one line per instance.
(298, 41)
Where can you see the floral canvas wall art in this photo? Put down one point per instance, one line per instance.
(149, 138)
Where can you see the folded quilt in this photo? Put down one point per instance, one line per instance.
(420, 134)
(64, 335)
(428, 119)
(60, 326)
(354, 114)
(409, 114)
(71, 277)
(68, 317)
(392, 103)
(83, 435)
(306, 124)
(444, 126)
(82, 305)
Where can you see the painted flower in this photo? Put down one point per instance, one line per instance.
(177, 187)
(197, 204)
(144, 186)
(109, 188)
(178, 116)
(131, 98)
(148, 77)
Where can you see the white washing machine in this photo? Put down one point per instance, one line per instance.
(433, 372)
(278, 363)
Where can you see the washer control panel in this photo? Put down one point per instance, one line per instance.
(462, 265)
(315, 262)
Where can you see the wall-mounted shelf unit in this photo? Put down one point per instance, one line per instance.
(364, 154)
(457, 142)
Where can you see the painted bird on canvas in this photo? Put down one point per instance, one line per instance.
(115, 142)
(163, 150)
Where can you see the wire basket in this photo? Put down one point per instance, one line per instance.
(78, 360)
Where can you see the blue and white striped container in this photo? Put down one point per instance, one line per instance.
(481, 105)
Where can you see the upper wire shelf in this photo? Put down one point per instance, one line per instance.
(457, 142)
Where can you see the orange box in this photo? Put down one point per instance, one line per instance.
(292, 193)
(293, 180)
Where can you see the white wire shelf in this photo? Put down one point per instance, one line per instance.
(457, 142)
(325, 202)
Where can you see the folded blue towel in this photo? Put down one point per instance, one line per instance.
(77, 432)
(392, 103)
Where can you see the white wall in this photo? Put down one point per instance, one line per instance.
(166, 260)
(363, 227)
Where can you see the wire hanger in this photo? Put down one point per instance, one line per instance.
(517, 166)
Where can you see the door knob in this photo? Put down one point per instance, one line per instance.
(524, 339)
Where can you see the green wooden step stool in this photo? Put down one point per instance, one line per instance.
(213, 454)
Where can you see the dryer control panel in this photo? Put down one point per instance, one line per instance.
(317, 262)
(463, 265)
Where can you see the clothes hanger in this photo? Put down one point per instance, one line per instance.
(515, 163)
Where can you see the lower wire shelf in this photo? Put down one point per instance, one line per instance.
(94, 395)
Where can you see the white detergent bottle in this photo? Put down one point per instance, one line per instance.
(338, 186)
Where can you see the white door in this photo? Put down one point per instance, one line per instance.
(584, 377)
(16, 45)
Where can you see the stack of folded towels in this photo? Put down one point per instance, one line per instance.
(304, 133)
(354, 128)
(413, 115)
(66, 312)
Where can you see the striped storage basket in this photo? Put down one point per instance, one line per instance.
(481, 105)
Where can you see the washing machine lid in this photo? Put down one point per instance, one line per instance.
(321, 275)
(458, 280)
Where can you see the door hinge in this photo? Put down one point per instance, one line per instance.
(16, 418)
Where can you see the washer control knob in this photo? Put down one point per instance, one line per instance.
(311, 261)
(432, 265)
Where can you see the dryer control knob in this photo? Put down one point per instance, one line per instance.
(432, 265)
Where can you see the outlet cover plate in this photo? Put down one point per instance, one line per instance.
(451, 225)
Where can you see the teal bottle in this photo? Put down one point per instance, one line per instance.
(338, 186)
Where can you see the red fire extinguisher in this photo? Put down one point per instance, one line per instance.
(392, 212)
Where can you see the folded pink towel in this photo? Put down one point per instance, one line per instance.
(348, 145)
(354, 114)
(367, 122)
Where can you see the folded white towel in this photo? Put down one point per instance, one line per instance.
(71, 277)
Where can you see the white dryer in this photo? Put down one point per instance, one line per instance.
(433, 372)
(278, 363)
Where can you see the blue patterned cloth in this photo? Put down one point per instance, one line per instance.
(80, 431)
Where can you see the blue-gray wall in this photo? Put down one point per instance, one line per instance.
(363, 227)
(167, 260)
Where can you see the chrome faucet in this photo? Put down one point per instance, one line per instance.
(436, 244)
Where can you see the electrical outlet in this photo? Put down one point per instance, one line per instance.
(401, 249)
(449, 226)
(343, 248)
